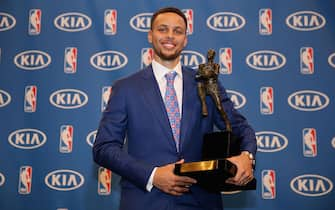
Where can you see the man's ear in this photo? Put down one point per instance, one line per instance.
(185, 41)
(150, 36)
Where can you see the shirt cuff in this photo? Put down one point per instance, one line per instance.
(150, 181)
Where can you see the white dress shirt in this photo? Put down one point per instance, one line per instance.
(159, 72)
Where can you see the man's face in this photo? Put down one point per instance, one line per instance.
(168, 36)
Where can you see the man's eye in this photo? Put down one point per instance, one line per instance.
(161, 29)
(179, 32)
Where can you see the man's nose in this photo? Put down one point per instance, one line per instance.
(170, 34)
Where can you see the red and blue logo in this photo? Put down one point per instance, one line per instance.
(268, 184)
(307, 60)
(66, 139)
(106, 92)
(226, 60)
(35, 22)
(309, 142)
(70, 60)
(147, 55)
(25, 179)
(104, 181)
(190, 20)
(30, 98)
(110, 23)
(265, 21)
(266, 100)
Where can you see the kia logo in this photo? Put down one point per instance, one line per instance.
(308, 100)
(270, 141)
(141, 22)
(7, 21)
(331, 60)
(32, 60)
(91, 138)
(2, 179)
(305, 21)
(4, 98)
(72, 22)
(191, 59)
(266, 60)
(27, 138)
(237, 98)
(311, 185)
(109, 60)
(64, 180)
(68, 98)
(225, 21)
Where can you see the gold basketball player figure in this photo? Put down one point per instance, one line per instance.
(207, 77)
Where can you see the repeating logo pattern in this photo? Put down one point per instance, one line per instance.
(60, 66)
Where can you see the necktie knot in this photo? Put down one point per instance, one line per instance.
(170, 76)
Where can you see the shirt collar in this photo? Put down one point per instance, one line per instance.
(160, 70)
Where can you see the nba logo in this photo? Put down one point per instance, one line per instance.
(226, 60)
(307, 60)
(147, 54)
(25, 179)
(266, 100)
(104, 181)
(70, 60)
(265, 21)
(189, 17)
(35, 16)
(309, 142)
(106, 92)
(30, 98)
(268, 184)
(66, 139)
(110, 23)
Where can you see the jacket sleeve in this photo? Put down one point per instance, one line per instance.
(108, 148)
(239, 123)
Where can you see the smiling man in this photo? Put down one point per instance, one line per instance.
(158, 111)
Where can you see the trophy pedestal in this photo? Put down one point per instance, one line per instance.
(212, 172)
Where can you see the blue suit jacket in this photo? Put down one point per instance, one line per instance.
(136, 112)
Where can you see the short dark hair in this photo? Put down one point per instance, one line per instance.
(166, 10)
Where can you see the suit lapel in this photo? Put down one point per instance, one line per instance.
(189, 97)
(156, 104)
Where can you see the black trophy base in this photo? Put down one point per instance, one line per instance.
(212, 172)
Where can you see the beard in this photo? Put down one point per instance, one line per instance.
(166, 57)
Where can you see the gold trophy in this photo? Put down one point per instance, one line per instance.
(212, 172)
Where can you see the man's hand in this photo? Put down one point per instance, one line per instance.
(244, 172)
(165, 180)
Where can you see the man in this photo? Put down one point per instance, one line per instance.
(157, 139)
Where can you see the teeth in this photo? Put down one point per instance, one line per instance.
(168, 45)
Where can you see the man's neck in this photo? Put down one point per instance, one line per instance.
(167, 63)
